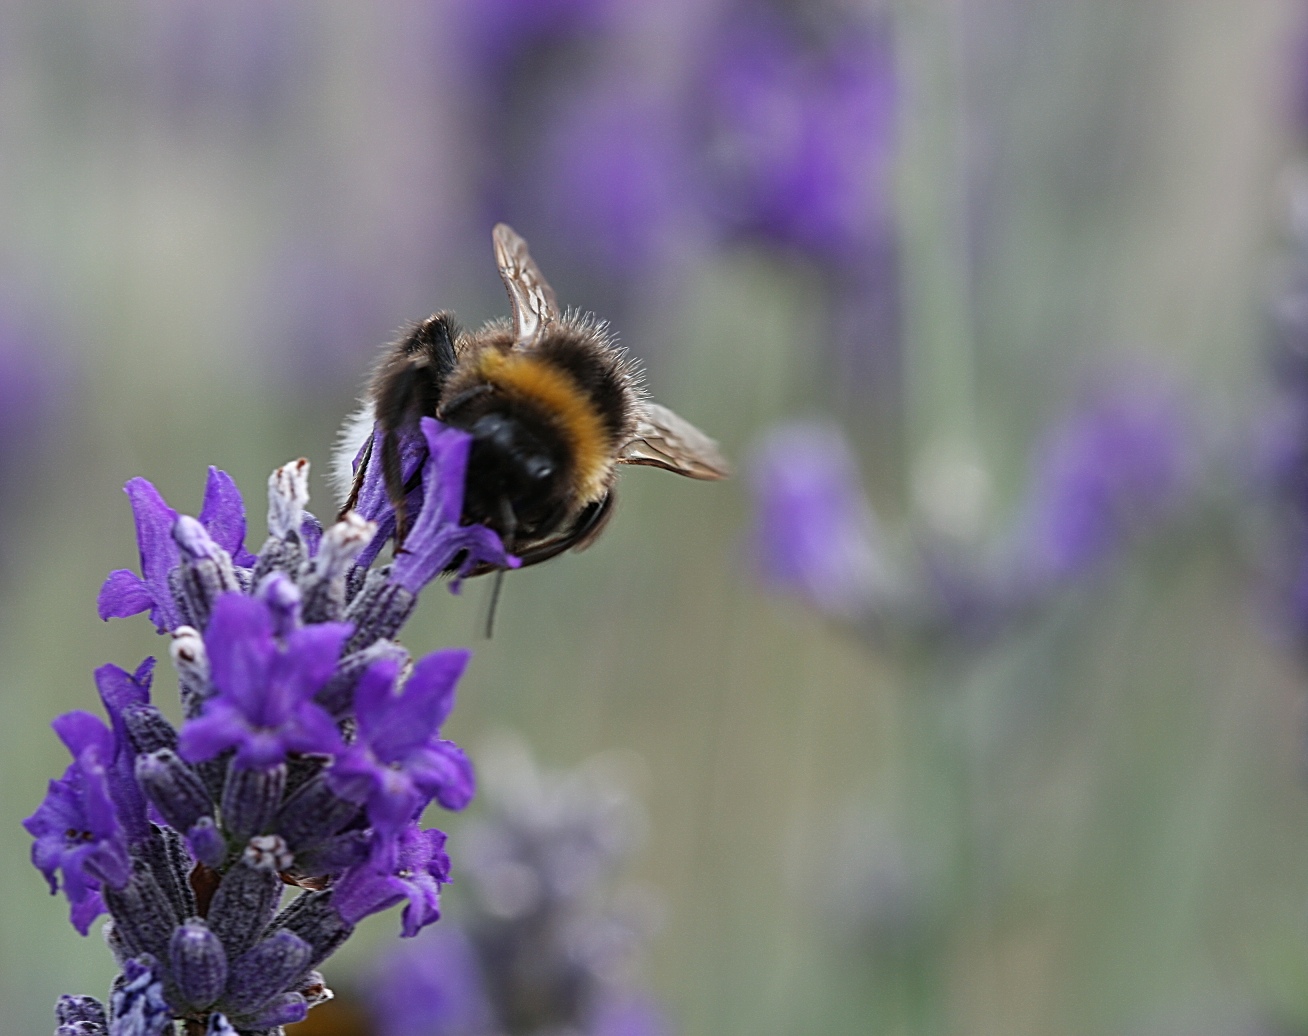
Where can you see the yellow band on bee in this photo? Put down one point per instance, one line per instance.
(554, 392)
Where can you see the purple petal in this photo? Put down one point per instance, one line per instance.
(222, 726)
(240, 645)
(81, 730)
(310, 658)
(361, 892)
(436, 538)
(223, 516)
(85, 911)
(123, 595)
(374, 693)
(445, 772)
(417, 714)
(159, 555)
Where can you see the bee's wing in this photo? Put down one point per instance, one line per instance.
(665, 440)
(534, 304)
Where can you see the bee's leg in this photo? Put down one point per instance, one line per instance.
(406, 387)
(353, 499)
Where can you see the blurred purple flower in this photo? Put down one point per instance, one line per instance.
(799, 138)
(612, 182)
(498, 34)
(432, 986)
(1123, 459)
(814, 530)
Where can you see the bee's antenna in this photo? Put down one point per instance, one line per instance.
(510, 527)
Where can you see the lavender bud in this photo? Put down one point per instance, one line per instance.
(379, 611)
(335, 854)
(324, 580)
(80, 1009)
(173, 787)
(207, 842)
(313, 814)
(248, 896)
(268, 969)
(283, 599)
(315, 920)
(148, 729)
(143, 917)
(165, 854)
(205, 576)
(199, 965)
(219, 1026)
(250, 799)
(337, 695)
(191, 661)
(288, 496)
(286, 1009)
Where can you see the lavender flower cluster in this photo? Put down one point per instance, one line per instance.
(540, 945)
(310, 748)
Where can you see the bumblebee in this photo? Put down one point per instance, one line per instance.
(553, 406)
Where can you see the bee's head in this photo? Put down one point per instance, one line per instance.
(511, 464)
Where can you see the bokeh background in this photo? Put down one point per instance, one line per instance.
(939, 226)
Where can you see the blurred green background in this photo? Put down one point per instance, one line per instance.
(214, 214)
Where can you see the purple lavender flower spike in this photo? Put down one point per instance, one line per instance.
(121, 690)
(613, 180)
(434, 985)
(124, 593)
(137, 1005)
(397, 763)
(628, 1015)
(223, 515)
(264, 703)
(800, 139)
(815, 533)
(437, 539)
(77, 829)
(240, 799)
(421, 867)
